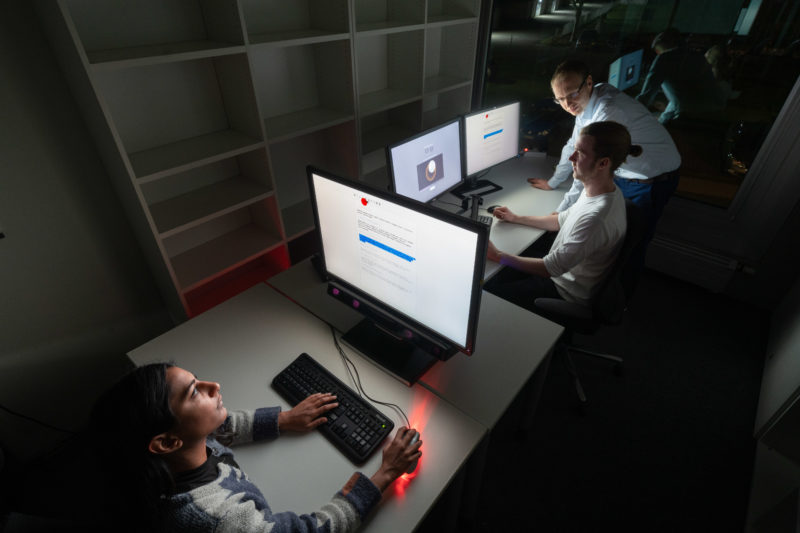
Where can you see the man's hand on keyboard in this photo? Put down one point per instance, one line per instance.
(307, 414)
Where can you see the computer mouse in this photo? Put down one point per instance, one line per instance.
(413, 465)
(491, 208)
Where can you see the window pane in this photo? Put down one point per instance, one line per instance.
(717, 84)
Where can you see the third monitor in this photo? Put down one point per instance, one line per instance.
(491, 136)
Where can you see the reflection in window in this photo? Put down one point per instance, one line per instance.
(717, 84)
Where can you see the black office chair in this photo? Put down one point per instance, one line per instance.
(608, 305)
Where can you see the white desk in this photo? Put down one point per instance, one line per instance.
(522, 198)
(511, 344)
(245, 341)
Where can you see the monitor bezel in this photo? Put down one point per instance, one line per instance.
(464, 118)
(480, 229)
(462, 160)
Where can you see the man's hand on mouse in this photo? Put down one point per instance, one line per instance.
(504, 213)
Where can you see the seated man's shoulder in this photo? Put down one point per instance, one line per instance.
(590, 214)
(606, 205)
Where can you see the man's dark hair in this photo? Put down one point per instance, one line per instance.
(611, 140)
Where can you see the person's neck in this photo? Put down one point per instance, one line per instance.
(188, 457)
(599, 185)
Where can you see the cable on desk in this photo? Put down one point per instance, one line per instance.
(357, 379)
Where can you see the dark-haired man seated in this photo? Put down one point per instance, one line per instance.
(590, 232)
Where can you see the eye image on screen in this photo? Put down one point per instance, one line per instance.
(430, 170)
(427, 165)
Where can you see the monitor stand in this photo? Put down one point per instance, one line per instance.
(483, 187)
(400, 358)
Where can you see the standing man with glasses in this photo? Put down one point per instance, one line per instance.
(648, 180)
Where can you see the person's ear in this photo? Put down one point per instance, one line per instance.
(164, 443)
(604, 162)
(589, 81)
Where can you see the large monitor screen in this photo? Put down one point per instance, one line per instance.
(412, 264)
(429, 164)
(491, 136)
(624, 72)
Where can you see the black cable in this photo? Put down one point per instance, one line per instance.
(31, 419)
(357, 379)
(348, 364)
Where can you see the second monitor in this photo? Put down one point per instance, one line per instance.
(427, 165)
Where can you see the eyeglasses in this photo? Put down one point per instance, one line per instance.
(571, 96)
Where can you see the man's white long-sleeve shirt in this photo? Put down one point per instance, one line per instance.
(659, 154)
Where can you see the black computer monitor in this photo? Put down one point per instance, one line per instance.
(491, 136)
(624, 72)
(414, 272)
(427, 165)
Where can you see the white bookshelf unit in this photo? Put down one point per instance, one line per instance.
(206, 113)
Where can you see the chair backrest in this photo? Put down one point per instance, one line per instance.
(608, 304)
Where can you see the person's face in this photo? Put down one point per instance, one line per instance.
(584, 164)
(572, 92)
(197, 405)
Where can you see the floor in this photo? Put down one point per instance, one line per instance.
(665, 446)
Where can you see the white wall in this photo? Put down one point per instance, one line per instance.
(75, 292)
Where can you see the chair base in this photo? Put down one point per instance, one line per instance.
(573, 370)
(606, 356)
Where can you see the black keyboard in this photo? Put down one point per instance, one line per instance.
(485, 219)
(356, 427)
